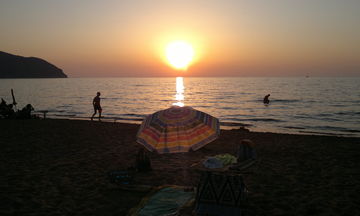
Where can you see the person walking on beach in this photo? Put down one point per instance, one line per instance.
(266, 99)
(97, 106)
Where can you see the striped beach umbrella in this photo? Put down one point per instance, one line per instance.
(177, 129)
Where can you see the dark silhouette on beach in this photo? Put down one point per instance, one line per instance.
(97, 106)
(143, 163)
(7, 111)
(25, 113)
(266, 99)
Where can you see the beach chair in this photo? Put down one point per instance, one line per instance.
(220, 194)
(246, 156)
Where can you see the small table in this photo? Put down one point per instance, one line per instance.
(43, 112)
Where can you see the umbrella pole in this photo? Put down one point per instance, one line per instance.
(13, 98)
(185, 171)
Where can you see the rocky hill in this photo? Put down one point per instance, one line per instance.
(13, 66)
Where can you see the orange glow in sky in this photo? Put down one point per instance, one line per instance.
(219, 38)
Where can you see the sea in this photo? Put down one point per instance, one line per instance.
(298, 105)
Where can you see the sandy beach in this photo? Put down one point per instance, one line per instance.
(60, 167)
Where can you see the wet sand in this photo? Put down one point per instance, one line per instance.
(59, 167)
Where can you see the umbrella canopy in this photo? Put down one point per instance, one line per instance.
(177, 129)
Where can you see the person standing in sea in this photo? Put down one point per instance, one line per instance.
(266, 99)
(97, 106)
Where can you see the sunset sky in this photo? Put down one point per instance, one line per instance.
(230, 38)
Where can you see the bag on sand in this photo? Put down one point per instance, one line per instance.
(143, 162)
(122, 177)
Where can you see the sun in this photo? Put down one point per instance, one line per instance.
(179, 54)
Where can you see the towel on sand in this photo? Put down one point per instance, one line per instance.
(164, 201)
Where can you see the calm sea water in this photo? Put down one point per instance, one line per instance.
(298, 105)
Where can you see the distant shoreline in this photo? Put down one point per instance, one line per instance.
(223, 126)
(15, 66)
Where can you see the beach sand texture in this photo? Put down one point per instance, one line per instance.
(59, 167)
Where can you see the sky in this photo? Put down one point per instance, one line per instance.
(230, 37)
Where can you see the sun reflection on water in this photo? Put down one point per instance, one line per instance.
(180, 89)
